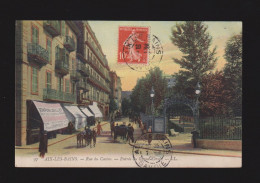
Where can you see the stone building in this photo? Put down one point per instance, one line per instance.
(57, 61)
(45, 58)
(92, 59)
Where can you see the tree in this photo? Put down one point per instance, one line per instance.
(140, 97)
(194, 42)
(233, 72)
(126, 106)
(214, 96)
(112, 106)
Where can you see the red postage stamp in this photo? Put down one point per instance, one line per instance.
(133, 45)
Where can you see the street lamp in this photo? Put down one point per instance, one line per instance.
(152, 95)
(197, 92)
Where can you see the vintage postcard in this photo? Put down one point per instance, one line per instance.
(128, 94)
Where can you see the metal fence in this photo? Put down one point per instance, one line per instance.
(221, 128)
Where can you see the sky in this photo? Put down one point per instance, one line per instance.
(107, 34)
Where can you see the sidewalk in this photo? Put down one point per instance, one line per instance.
(59, 138)
(182, 144)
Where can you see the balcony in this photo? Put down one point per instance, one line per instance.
(83, 69)
(52, 27)
(61, 63)
(74, 75)
(37, 54)
(55, 95)
(82, 85)
(69, 44)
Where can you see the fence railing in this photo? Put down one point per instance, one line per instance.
(220, 128)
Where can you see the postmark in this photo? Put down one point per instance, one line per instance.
(137, 49)
(152, 150)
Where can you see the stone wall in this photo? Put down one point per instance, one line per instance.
(220, 144)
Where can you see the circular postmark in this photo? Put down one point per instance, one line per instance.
(152, 150)
(152, 51)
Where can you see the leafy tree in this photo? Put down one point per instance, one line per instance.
(194, 42)
(214, 96)
(112, 106)
(140, 97)
(126, 106)
(233, 72)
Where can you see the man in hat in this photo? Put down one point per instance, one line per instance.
(130, 132)
(43, 143)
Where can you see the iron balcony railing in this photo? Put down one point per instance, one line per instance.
(61, 63)
(52, 27)
(75, 75)
(99, 83)
(82, 68)
(51, 94)
(37, 53)
(69, 44)
(83, 85)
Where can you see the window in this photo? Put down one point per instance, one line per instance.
(48, 46)
(48, 80)
(73, 64)
(67, 85)
(57, 52)
(63, 28)
(67, 61)
(35, 35)
(67, 31)
(34, 80)
(60, 84)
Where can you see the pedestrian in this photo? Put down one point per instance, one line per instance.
(130, 132)
(195, 135)
(99, 128)
(149, 129)
(43, 143)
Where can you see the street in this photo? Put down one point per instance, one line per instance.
(63, 151)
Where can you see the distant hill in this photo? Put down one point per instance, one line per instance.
(126, 94)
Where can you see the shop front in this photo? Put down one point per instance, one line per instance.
(43, 116)
(80, 117)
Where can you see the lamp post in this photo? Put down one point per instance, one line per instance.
(197, 92)
(152, 95)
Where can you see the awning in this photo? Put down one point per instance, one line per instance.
(52, 115)
(86, 111)
(94, 108)
(80, 118)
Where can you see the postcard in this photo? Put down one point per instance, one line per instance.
(128, 94)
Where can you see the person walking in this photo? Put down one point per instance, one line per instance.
(195, 135)
(43, 143)
(99, 128)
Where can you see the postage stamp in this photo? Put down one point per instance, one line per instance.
(133, 45)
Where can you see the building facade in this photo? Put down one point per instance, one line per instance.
(45, 54)
(92, 58)
(57, 61)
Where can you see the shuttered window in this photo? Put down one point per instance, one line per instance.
(67, 86)
(34, 80)
(49, 49)
(60, 84)
(57, 52)
(35, 34)
(63, 28)
(48, 80)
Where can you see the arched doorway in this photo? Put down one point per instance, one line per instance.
(183, 108)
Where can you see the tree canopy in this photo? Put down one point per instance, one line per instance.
(140, 97)
(198, 59)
